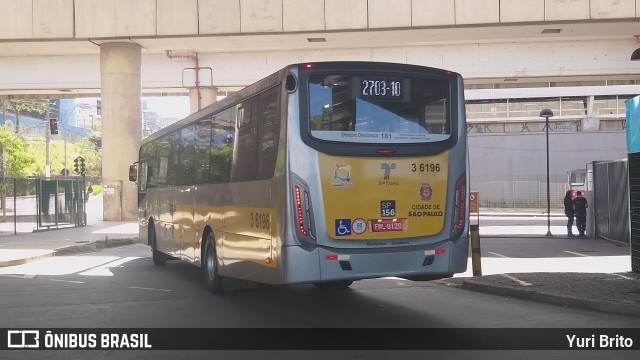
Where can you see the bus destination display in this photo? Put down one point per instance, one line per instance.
(382, 88)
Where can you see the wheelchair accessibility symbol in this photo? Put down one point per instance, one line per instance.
(343, 227)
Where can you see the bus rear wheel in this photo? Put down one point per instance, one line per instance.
(210, 266)
(158, 257)
(333, 284)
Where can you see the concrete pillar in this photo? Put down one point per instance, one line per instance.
(121, 91)
(208, 95)
(591, 123)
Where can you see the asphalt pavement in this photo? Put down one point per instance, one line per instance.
(617, 292)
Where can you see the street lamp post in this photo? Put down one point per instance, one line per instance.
(546, 114)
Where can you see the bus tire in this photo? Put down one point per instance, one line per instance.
(158, 257)
(210, 266)
(343, 284)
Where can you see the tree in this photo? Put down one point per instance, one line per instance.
(19, 162)
(21, 106)
(92, 155)
(87, 149)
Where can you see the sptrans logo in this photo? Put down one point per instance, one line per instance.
(68, 339)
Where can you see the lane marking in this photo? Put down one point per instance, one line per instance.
(498, 255)
(145, 288)
(576, 253)
(523, 283)
(68, 281)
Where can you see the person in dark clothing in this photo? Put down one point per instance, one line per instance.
(569, 212)
(89, 192)
(580, 206)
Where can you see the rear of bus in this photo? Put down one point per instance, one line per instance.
(377, 173)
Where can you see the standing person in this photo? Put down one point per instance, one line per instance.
(89, 192)
(580, 205)
(569, 212)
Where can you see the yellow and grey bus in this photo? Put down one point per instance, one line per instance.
(322, 173)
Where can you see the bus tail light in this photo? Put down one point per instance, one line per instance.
(300, 212)
(303, 211)
(459, 207)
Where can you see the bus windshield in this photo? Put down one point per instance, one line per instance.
(378, 109)
(578, 177)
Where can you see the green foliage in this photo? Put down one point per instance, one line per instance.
(97, 188)
(21, 106)
(221, 163)
(25, 158)
(92, 157)
(19, 161)
(95, 138)
(316, 122)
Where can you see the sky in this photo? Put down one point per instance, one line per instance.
(166, 106)
(169, 106)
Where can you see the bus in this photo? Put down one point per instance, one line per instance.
(322, 173)
(578, 181)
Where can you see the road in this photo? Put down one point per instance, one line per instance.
(121, 288)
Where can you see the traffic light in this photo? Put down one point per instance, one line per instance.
(53, 126)
(82, 168)
(76, 165)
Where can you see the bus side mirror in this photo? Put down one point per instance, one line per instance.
(133, 172)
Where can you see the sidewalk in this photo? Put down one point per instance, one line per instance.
(617, 293)
(23, 248)
(607, 292)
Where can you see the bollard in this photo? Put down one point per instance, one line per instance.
(475, 250)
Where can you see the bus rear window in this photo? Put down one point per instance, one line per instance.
(378, 109)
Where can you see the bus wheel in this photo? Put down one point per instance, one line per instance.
(334, 284)
(158, 257)
(210, 266)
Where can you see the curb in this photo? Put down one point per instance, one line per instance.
(568, 301)
(23, 261)
(74, 249)
(94, 246)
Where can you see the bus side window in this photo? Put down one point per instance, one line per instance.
(268, 132)
(161, 160)
(173, 160)
(222, 139)
(149, 153)
(187, 156)
(245, 151)
(202, 156)
(142, 176)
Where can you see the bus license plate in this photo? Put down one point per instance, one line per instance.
(387, 225)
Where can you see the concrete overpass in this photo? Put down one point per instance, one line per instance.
(122, 49)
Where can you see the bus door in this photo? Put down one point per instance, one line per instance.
(183, 212)
(165, 199)
(142, 178)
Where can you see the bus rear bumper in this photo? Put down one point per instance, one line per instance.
(439, 261)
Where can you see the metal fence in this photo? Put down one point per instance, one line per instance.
(634, 209)
(520, 195)
(611, 200)
(34, 204)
